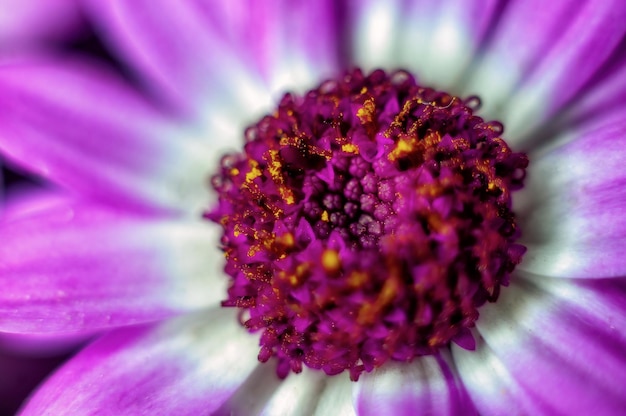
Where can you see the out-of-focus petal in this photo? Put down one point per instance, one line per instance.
(72, 266)
(187, 366)
(264, 394)
(540, 56)
(82, 127)
(550, 346)
(434, 39)
(227, 56)
(27, 21)
(297, 395)
(573, 209)
(290, 44)
(425, 386)
(336, 398)
(600, 102)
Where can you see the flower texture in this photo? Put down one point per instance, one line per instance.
(374, 243)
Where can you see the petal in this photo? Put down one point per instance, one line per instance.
(85, 129)
(600, 102)
(291, 44)
(436, 40)
(188, 365)
(297, 394)
(25, 21)
(231, 54)
(540, 56)
(264, 394)
(336, 398)
(425, 386)
(574, 204)
(550, 346)
(69, 266)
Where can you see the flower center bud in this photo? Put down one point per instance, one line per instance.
(367, 221)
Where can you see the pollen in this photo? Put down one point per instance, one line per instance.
(367, 221)
(330, 261)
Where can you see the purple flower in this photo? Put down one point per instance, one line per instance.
(121, 246)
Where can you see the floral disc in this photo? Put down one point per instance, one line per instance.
(367, 221)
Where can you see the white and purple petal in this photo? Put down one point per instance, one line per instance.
(189, 365)
(573, 209)
(73, 266)
(426, 386)
(540, 55)
(550, 346)
(336, 398)
(229, 57)
(435, 40)
(264, 394)
(602, 100)
(84, 128)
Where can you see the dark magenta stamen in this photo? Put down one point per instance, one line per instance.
(367, 221)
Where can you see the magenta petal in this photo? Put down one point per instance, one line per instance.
(196, 52)
(550, 346)
(187, 366)
(574, 205)
(84, 128)
(541, 55)
(428, 385)
(603, 100)
(69, 266)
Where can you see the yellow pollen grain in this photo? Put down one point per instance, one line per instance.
(366, 113)
(287, 195)
(325, 216)
(275, 171)
(299, 276)
(274, 165)
(253, 250)
(254, 172)
(432, 139)
(409, 144)
(350, 148)
(286, 240)
(404, 146)
(331, 261)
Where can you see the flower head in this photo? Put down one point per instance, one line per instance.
(367, 226)
(367, 221)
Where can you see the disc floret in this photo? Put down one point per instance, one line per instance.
(367, 221)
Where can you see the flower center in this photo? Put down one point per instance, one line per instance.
(367, 221)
